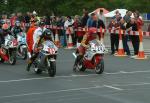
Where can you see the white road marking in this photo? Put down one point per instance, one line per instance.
(132, 72)
(50, 92)
(112, 87)
(73, 76)
(74, 89)
(134, 84)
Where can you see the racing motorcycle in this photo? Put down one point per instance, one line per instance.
(22, 45)
(46, 60)
(93, 58)
(8, 50)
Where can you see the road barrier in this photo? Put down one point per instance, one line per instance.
(101, 31)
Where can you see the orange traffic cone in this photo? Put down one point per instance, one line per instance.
(141, 54)
(57, 42)
(120, 52)
(70, 43)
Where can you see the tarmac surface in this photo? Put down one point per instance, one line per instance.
(124, 80)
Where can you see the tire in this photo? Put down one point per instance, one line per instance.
(80, 66)
(52, 69)
(99, 69)
(1, 60)
(12, 58)
(24, 54)
(38, 71)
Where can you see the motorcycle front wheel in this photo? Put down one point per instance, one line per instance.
(12, 58)
(80, 66)
(99, 69)
(22, 53)
(52, 69)
(1, 60)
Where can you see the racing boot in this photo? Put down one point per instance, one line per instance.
(29, 65)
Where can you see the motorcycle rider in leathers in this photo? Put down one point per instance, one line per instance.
(89, 36)
(45, 35)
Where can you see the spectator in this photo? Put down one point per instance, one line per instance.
(148, 28)
(78, 34)
(13, 20)
(27, 18)
(114, 38)
(127, 17)
(138, 20)
(84, 18)
(101, 16)
(68, 25)
(134, 38)
(90, 20)
(124, 37)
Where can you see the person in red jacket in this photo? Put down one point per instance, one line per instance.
(138, 20)
(29, 37)
(88, 36)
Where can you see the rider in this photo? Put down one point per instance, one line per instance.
(17, 28)
(3, 33)
(89, 36)
(40, 35)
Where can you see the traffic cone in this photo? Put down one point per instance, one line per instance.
(120, 52)
(141, 55)
(57, 42)
(70, 43)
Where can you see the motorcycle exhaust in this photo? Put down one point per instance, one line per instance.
(75, 56)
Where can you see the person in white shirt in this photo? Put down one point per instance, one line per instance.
(68, 25)
(101, 16)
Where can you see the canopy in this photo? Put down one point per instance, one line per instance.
(112, 13)
(98, 10)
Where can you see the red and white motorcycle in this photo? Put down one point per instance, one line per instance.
(8, 50)
(93, 58)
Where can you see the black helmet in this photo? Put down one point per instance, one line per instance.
(41, 23)
(17, 23)
(47, 34)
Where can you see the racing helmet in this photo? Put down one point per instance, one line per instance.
(5, 26)
(17, 23)
(41, 23)
(47, 34)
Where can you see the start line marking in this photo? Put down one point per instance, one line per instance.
(73, 75)
(74, 89)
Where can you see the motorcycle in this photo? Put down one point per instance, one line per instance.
(22, 45)
(93, 58)
(46, 60)
(8, 50)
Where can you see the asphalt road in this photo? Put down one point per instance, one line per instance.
(124, 80)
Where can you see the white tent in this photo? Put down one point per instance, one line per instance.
(112, 13)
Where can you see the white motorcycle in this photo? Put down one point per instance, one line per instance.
(8, 50)
(46, 60)
(22, 45)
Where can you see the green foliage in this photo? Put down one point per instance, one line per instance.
(71, 7)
